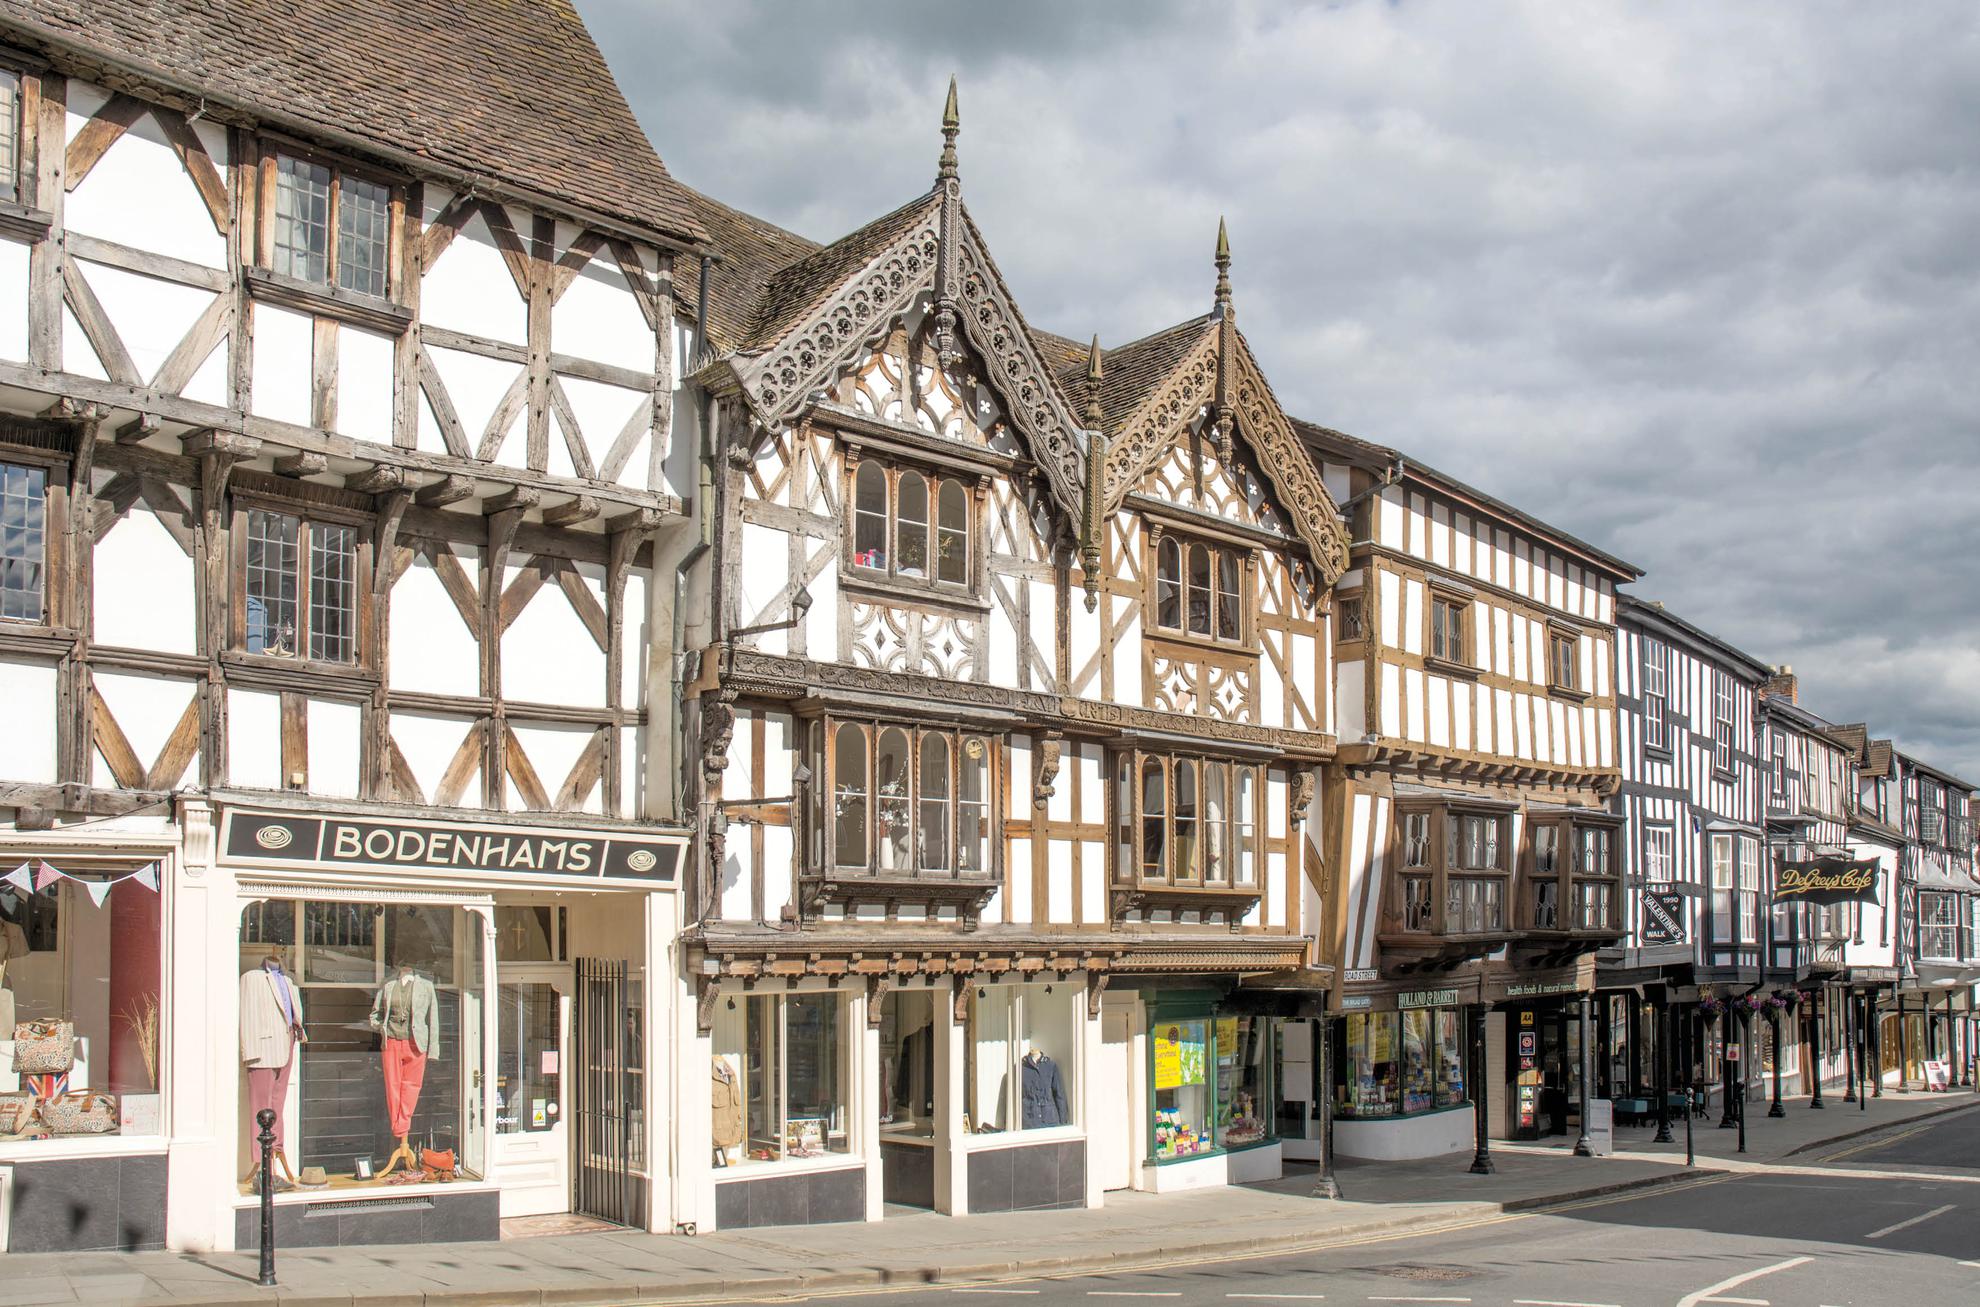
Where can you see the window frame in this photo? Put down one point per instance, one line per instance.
(935, 477)
(308, 516)
(1240, 589)
(1446, 637)
(1656, 699)
(1445, 871)
(272, 151)
(56, 504)
(50, 474)
(872, 730)
(1571, 883)
(13, 102)
(1564, 674)
(1224, 851)
(1723, 722)
(1353, 618)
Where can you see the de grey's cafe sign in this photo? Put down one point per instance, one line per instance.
(299, 840)
(1827, 880)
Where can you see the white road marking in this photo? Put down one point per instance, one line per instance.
(993, 1291)
(1282, 1297)
(1374, 1299)
(1546, 1302)
(1905, 1225)
(1131, 1293)
(1711, 1292)
(1970, 1263)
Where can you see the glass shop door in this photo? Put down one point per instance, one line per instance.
(532, 1145)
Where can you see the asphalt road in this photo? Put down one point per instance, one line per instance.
(1892, 1222)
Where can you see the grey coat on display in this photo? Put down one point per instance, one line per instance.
(1044, 1092)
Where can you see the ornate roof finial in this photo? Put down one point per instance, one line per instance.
(951, 124)
(1093, 375)
(1223, 268)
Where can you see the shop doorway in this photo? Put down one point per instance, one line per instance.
(532, 1146)
(1113, 1149)
(1543, 1068)
(609, 1069)
(909, 1105)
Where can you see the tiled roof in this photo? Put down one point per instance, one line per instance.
(751, 251)
(1132, 372)
(1856, 735)
(1877, 758)
(511, 91)
(792, 291)
(1066, 358)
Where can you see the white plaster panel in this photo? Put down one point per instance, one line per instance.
(150, 315)
(78, 355)
(1044, 599)
(554, 751)
(335, 734)
(432, 648)
(212, 381)
(1390, 700)
(1502, 722)
(429, 742)
(13, 293)
(548, 656)
(602, 413)
(1270, 691)
(1523, 724)
(1020, 881)
(1413, 722)
(142, 587)
(1440, 716)
(1020, 765)
(634, 639)
(282, 348)
(1092, 881)
(1127, 658)
(469, 289)
(821, 624)
(1003, 642)
(1352, 675)
(765, 572)
(364, 384)
(1419, 526)
(1497, 654)
(475, 385)
(778, 877)
(27, 746)
(1440, 535)
(254, 740)
(1092, 783)
(139, 195)
(1558, 730)
(1275, 889)
(1389, 523)
(632, 771)
(1390, 602)
(597, 318)
(1412, 630)
(1460, 715)
(1059, 888)
(1305, 664)
(146, 708)
(1522, 573)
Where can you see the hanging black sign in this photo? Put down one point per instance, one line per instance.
(1827, 880)
(1663, 917)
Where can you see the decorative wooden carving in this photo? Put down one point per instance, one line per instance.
(1049, 749)
(877, 989)
(718, 728)
(1096, 989)
(706, 994)
(964, 982)
(1302, 794)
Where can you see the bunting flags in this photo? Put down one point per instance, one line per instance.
(39, 874)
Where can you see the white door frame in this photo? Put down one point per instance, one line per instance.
(511, 1155)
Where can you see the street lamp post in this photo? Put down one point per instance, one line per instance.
(1815, 1042)
(1664, 1071)
(1324, 1183)
(1849, 1046)
(1582, 1146)
(1481, 1157)
(1774, 1025)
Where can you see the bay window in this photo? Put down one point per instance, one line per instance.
(1594, 878)
(1021, 1051)
(789, 1057)
(1199, 589)
(912, 525)
(1194, 822)
(1939, 925)
(1453, 871)
(907, 801)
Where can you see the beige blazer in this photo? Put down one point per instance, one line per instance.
(265, 1037)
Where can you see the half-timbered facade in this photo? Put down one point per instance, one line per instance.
(1928, 1015)
(1468, 834)
(1011, 683)
(342, 498)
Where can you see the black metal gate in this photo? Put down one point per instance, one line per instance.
(611, 1092)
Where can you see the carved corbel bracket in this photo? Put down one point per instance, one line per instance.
(706, 994)
(964, 982)
(877, 989)
(1050, 749)
(1096, 989)
(1302, 795)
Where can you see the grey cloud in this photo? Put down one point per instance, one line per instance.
(1693, 281)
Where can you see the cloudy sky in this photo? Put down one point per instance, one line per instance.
(1697, 282)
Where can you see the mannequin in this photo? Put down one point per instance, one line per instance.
(1044, 1090)
(13, 944)
(271, 1033)
(726, 1109)
(407, 1014)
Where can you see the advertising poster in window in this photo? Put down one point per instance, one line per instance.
(1178, 1055)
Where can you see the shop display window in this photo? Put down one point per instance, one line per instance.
(80, 1014)
(1395, 1063)
(363, 1025)
(1020, 1046)
(788, 1057)
(1213, 1081)
(1182, 1088)
(907, 1064)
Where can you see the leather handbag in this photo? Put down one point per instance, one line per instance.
(44, 1047)
(439, 1163)
(81, 1113)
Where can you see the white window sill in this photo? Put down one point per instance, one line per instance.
(1017, 1138)
(788, 1166)
(67, 1147)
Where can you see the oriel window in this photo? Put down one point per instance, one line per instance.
(330, 227)
(23, 542)
(912, 525)
(908, 802)
(1195, 821)
(1200, 589)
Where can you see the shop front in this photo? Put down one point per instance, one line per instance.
(1400, 1088)
(1214, 1097)
(87, 1018)
(449, 1021)
(1536, 1035)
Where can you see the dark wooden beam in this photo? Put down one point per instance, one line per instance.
(302, 463)
(378, 479)
(134, 431)
(447, 490)
(572, 511)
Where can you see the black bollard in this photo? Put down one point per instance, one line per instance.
(265, 1118)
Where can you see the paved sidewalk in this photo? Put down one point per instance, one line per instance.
(1132, 1230)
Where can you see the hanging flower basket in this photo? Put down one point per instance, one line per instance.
(1709, 1008)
